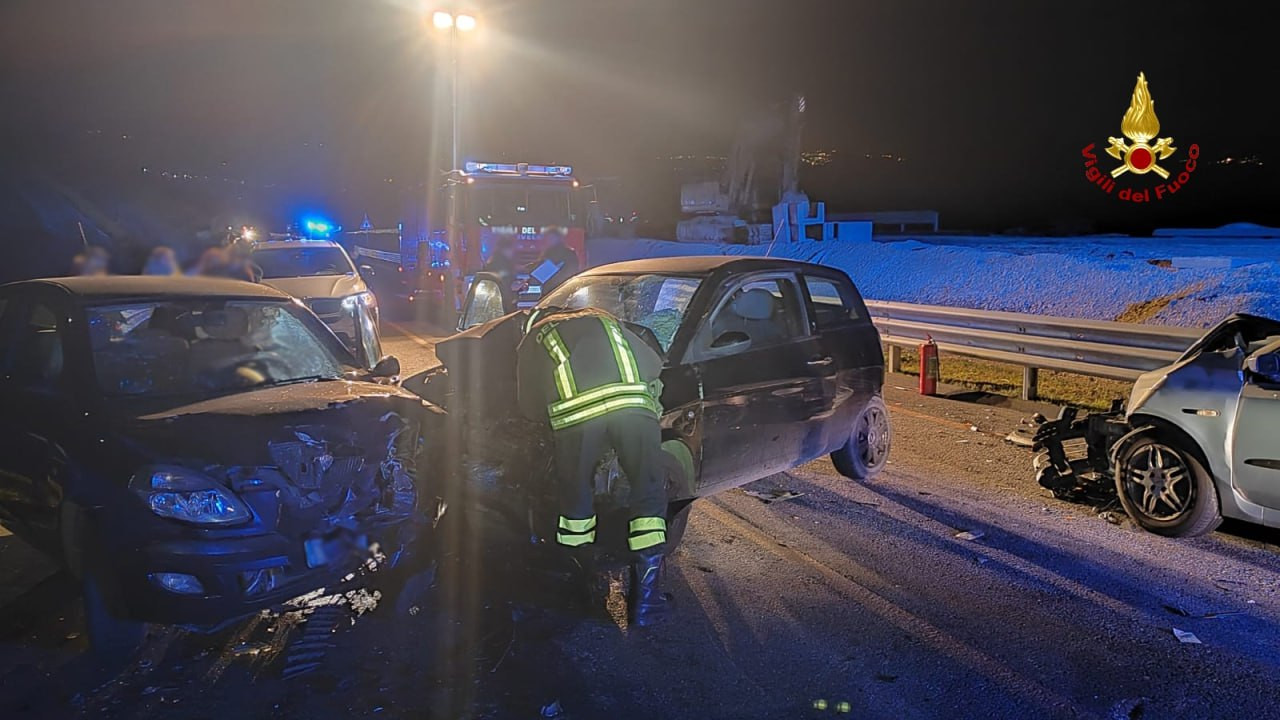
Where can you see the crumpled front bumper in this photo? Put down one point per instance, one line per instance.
(243, 575)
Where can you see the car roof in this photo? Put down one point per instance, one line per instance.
(293, 244)
(701, 265)
(108, 286)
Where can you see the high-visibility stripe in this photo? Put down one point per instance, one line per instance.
(577, 526)
(604, 407)
(597, 394)
(647, 540)
(571, 540)
(555, 346)
(641, 524)
(533, 318)
(622, 354)
(574, 407)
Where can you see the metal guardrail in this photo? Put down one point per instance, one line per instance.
(1120, 351)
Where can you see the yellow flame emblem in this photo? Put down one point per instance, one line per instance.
(1140, 125)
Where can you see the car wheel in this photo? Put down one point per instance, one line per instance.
(1165, 489)
(867, 450)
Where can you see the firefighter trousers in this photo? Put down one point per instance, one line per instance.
(637, 438)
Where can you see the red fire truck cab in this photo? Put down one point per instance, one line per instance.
(519, 201)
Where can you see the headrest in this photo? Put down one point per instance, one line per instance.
(229, 324)
(754, 304)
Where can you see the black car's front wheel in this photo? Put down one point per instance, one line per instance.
(1165, 488)
(867, 450)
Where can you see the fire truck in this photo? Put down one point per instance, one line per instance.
(416, 263)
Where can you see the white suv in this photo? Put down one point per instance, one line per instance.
(320, 274)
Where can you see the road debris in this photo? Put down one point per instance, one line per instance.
(771, 496)
(1186, 637)
(1111, 516)
(970, 535)
(552, 710)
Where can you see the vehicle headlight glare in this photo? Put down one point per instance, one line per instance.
(188, 496)
(351, 302)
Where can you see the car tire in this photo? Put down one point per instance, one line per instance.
(866, 452)
(1165, 488)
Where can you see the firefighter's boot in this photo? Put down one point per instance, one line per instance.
(646, 605)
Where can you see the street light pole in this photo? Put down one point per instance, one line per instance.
(454, 24)
(453, 61)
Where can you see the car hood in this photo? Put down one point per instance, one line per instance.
(312, 455)
(318, 286)
(235, 428)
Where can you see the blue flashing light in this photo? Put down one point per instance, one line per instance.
(318, 228)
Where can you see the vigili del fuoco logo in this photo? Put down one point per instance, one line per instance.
(1140, 155)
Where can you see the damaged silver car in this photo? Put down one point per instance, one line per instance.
(1198, 440)
(196, 449)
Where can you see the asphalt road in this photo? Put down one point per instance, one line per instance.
(859, 593)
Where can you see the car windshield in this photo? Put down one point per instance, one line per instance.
(302, 262)
(655, 301)
(202, 347)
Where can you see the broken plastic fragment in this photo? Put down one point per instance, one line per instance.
(1186, 637)
(970, 535)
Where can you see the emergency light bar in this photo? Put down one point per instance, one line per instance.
(518, 169)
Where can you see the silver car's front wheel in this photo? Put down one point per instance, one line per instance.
(1165, 489)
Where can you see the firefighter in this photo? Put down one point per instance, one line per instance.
(596, 383)
(559, 254)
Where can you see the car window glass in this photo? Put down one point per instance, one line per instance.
(486, 304)
(830, 305)
(194, 347)
(302, 262)
(762, 312)
(37, 354)
(657, 302)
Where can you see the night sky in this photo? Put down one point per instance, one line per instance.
(322, 101)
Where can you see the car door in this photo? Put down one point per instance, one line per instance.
(486, 299)
(760, 370)
(840, 320)
(34, 398)
(1255, 434)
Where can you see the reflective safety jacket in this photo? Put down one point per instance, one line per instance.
(576, 366)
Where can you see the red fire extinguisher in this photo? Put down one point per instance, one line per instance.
(928, 367)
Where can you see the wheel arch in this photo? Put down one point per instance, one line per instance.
(1148, 424)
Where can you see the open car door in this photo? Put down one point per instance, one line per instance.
(486, 300)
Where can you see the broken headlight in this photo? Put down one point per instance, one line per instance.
(187, 495)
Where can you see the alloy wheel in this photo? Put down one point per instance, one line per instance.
(1158, 482)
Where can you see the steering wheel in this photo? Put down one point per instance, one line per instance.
(229, 373)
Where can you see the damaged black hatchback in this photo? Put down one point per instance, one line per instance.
(196, 449)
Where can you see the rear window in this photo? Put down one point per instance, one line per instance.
(833, 302)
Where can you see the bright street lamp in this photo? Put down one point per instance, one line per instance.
(444, 20)
(453, 24)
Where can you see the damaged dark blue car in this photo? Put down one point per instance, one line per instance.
(196, 449)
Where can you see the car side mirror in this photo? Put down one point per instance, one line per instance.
(1266, 366)
(730, 339)
(387, 367)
